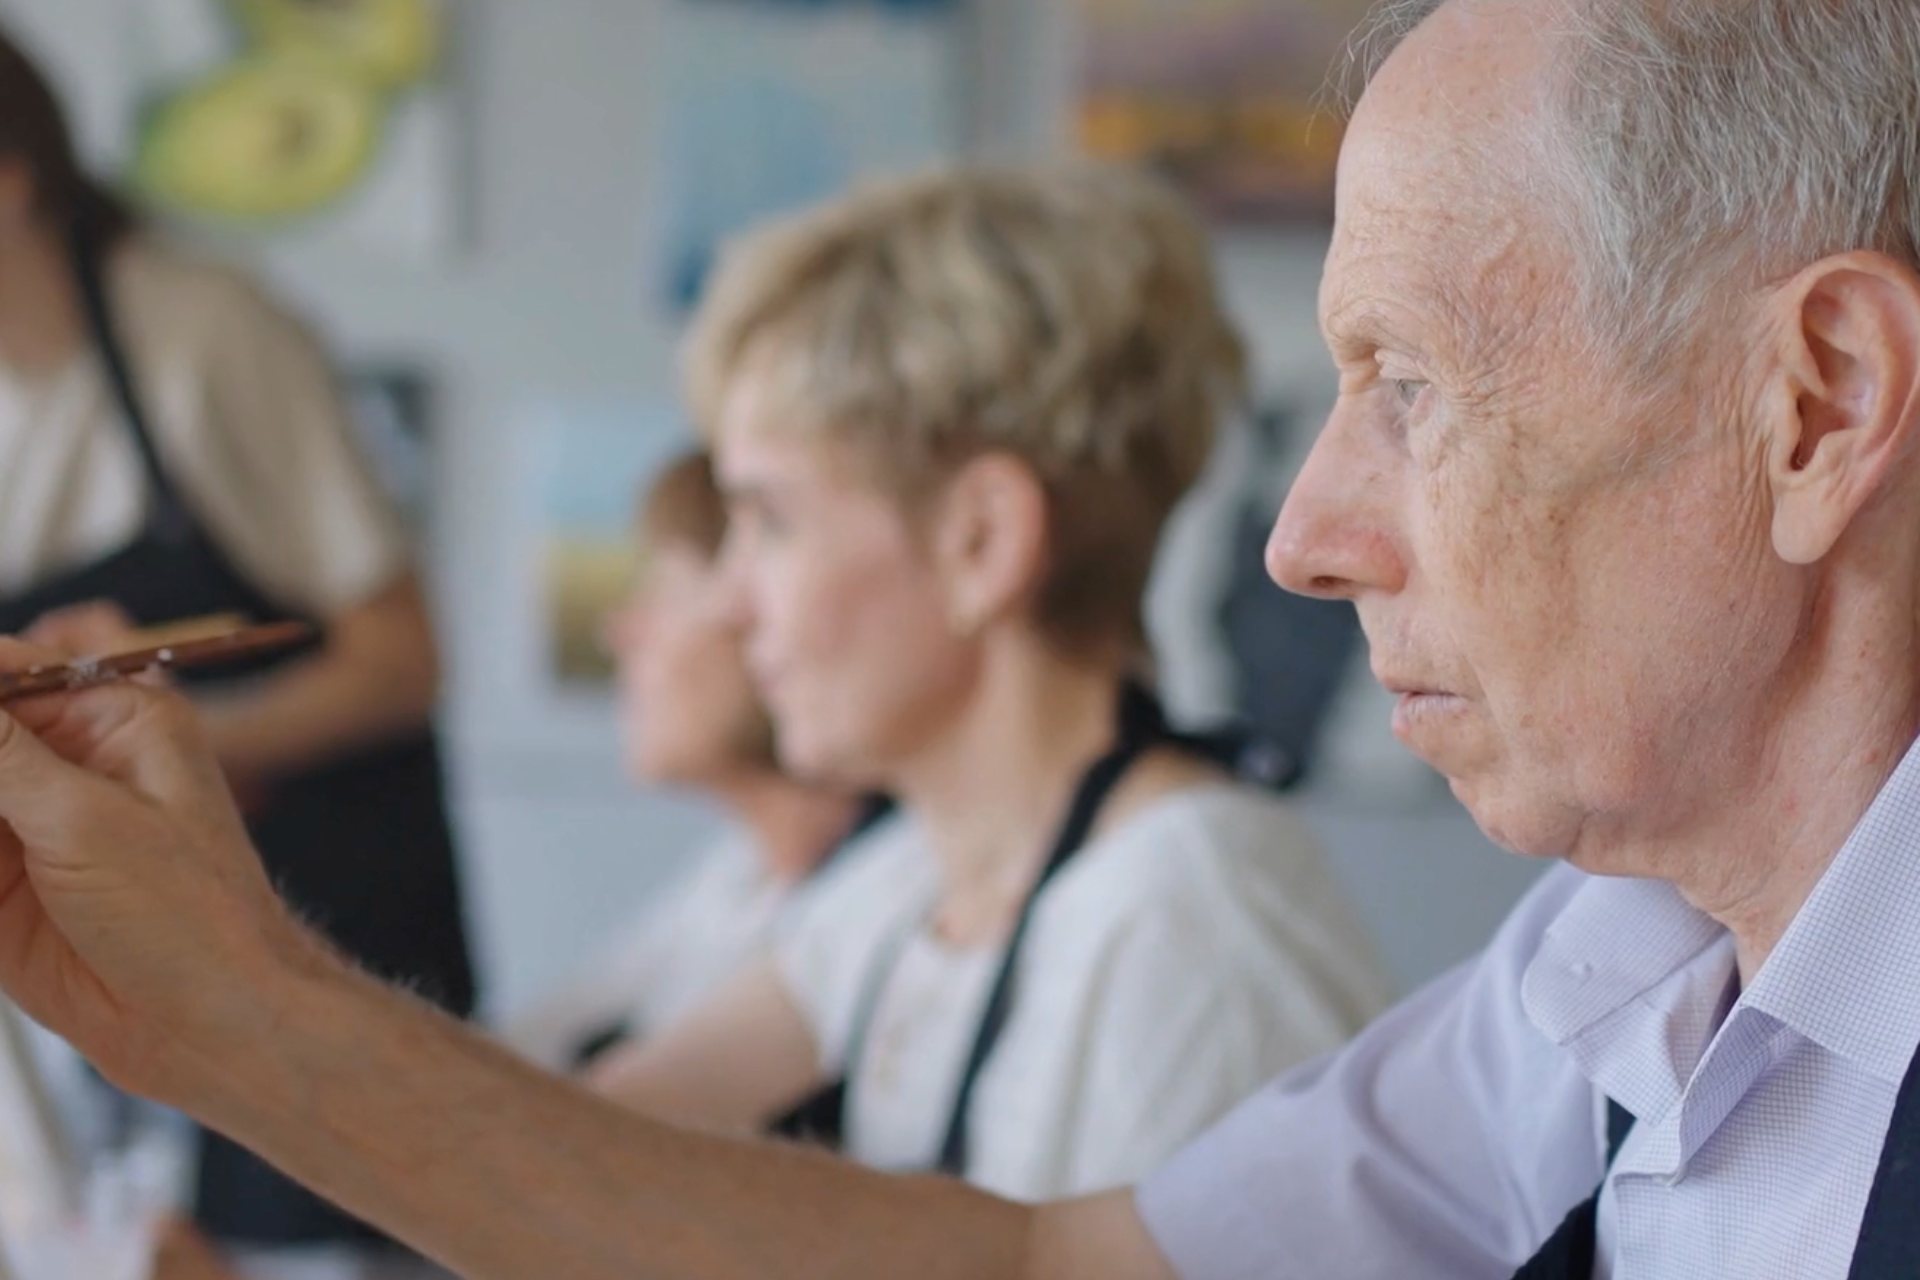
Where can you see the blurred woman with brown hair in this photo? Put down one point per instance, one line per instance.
(691, 720)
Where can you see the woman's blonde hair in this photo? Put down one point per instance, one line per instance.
(1067, 316)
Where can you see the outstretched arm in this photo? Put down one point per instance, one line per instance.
(135, 921)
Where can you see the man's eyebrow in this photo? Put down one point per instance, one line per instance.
(1357, 323)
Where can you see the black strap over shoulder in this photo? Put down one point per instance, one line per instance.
(1143, 725)
(167, 516)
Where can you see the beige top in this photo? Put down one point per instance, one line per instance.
(252, 426)
(680, 949)
(1185, 956)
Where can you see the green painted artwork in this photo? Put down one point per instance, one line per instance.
(388, 43)
(296, 119)
(264, 139)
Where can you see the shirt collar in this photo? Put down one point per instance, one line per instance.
(1630, 981)
(1845, 975)
(1613, 943)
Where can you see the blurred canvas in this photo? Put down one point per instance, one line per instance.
(768, 105)
(1223, 96)
(592, 462)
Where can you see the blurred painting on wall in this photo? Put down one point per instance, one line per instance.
(313, 118)
(592, 465)
(1224, 97)
(769, 105)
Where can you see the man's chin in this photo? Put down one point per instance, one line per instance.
(1518, 825)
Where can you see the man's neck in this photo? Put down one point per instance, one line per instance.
(991, 792)
(1795, 837)
(1834, 738)
(795, 826)
(41, 326)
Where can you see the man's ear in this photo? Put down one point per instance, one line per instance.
(1848, 408)
(989, 539)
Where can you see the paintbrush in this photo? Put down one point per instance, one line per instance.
(206, 651)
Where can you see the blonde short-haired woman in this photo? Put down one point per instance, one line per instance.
(952, 415)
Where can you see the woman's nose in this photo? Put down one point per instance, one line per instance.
(733, 583)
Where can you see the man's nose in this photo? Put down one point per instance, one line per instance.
(1336, 536)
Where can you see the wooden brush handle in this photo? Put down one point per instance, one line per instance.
(232, 646)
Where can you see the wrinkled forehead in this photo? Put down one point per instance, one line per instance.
(1444, 188)
(1417, 231)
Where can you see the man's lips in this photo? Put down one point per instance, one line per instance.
(1416, 710)
(1418, 703)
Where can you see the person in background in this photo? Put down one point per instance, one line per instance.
(951, 416)
(690, 719)
(173, 446)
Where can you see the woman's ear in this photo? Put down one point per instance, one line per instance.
(989, 539)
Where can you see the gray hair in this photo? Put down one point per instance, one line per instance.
(1710, 145)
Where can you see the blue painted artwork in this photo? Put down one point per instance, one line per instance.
(771, 105)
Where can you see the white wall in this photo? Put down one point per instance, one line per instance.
(552, 305)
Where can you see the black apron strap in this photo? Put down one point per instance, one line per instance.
(822, 1118)
(1569, 1253)
(1142, 726)
(169, 517)
(1889, 1243)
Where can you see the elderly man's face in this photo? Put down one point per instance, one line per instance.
(1567, 584)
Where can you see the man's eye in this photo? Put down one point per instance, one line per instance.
(1407, 390)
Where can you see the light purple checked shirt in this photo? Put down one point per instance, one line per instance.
(1452, 1137)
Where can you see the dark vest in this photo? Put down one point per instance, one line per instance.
(1888, 1247)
